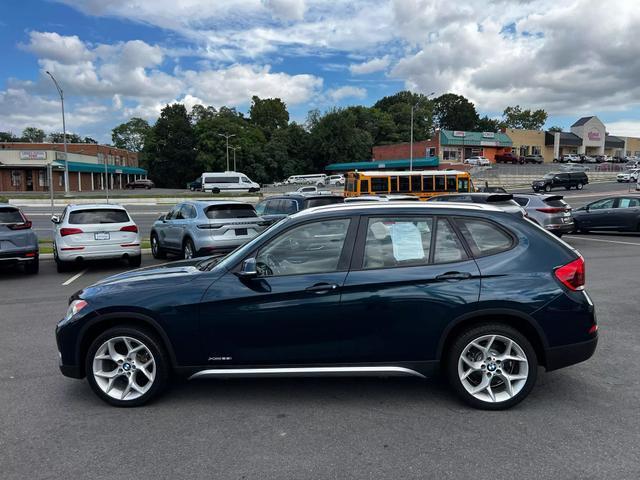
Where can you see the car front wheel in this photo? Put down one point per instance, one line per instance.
(156, 250)
(579, 186)
(126, 366)
(492, 366)
(547, 188)
(188, 250)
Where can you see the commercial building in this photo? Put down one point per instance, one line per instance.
(24, 167)
(457, 145)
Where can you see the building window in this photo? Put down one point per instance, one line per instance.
(16, 178)
(60, 180)
(42, 178)
(449, 153)
(536, 151)
(431, 152)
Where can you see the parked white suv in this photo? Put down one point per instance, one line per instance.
(92, 232)
(335, 180)
(479, 161)
(629, 176)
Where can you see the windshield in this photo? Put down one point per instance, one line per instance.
(549, 175)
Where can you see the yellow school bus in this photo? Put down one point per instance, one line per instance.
(423, 184)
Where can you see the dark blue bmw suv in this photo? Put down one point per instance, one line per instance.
(398, 288)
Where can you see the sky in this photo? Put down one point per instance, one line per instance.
(116, 59)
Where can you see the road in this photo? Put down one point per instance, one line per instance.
(580, 422)
(145, 215)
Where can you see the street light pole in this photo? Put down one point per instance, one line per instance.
(227, 136)
(64, 135)
(413, 106)
(234, 157)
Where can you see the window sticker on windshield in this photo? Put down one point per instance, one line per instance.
(407, 242)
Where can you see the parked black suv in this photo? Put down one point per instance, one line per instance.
(278, 207)
(560, 179)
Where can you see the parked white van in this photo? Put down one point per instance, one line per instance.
(319, 179)
(335, 180)
(217, 182)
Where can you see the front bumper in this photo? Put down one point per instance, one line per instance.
(559, 357)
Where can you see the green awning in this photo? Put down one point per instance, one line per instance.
(401, 164)
(99, 168)
(474, 139)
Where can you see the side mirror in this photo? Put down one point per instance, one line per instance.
(161, 218)
(55, 219)
(248, 269)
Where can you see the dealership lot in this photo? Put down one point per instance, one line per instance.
(579, 422)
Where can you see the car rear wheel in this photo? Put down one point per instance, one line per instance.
(188, 250)
(547, 188)
(579, 186)
(32, 267)
(61, 266)
(492, 366)
(156, 250)
(126, 366)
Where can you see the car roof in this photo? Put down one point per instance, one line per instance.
(369, 207)
(210, 203)
(300, 196)
(94, 206)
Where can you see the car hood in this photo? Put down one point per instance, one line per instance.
(179, 271)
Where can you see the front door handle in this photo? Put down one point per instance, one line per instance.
(322, 288)
(453, 276)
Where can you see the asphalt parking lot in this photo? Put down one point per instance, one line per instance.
(580, 422)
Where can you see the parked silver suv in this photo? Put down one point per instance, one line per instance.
(196, 228)
(18, 242)
(549, 211)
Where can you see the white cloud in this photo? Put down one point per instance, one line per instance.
(340, 93)
(51, 45)
(286, 9)
(624, 128)
(373, 65)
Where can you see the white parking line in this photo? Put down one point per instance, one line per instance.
(75, 277)
(601, 240)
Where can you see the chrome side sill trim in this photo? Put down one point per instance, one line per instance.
(305, 372)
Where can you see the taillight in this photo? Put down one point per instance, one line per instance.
(130, 228)
(551, 209)
(69, 231)
(20, 226)
(572, 274)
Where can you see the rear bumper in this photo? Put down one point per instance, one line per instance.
(91, 253)
(571, 354)
(19, 255)
(560, 227)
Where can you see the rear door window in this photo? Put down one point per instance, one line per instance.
(221, 212)
(397, 241)
(10, 215)
(629, 203)
(448, 247)
(288, 207)
(97, 216)
(483, 237)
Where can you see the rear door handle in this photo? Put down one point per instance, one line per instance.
(322, 288)
(453, 276)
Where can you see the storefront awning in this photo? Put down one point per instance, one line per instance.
(474, 139)
(383, 165)
(99, 168)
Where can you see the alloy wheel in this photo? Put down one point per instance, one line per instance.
(493, 368)
(188, 251)
(154, 246)
(124, 368)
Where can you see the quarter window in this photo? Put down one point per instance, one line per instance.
(310, 248)
(484, 238)
(629, 203)
(448, 247)
(393, 242)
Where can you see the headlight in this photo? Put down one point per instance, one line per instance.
(75, 307)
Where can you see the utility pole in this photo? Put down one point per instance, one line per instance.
(50, 173)
(106, 177)
(64, 135)
(227, 136)
(234, 157)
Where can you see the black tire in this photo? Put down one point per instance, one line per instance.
(152, 343)
(188, 245)
(579, 186)
(32, 267)
(135, 262)
(547, 188)
(473, 333)
(61, 266)
(156, 250)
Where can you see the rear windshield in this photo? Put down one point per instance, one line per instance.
(556, 203)
(222, 180)
(219, 212)
(102, 215)
(10, 215)
(319, 202)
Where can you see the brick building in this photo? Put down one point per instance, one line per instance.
(24, 166)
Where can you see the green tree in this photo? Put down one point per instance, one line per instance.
(169, 151)
(131, 135)
(455, 112)
(268, 114)
(398, 107)
(33, 135)
(7, 137)
(200, 112)
(336, 138)
(486, 124)
(58, 137)
(89, 140)
(555, 128)
(516, 117)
